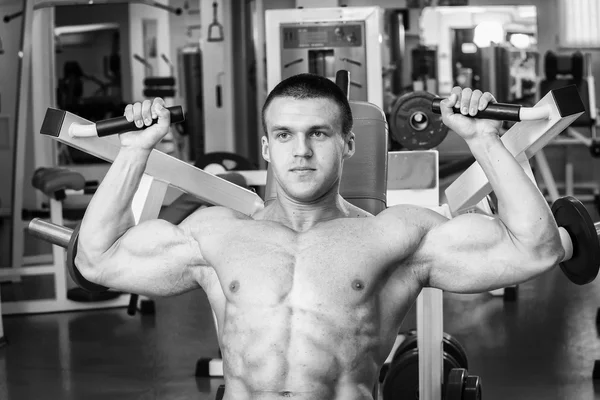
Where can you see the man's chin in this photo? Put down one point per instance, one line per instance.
(303, 196)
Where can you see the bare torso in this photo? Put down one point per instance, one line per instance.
(309, 315)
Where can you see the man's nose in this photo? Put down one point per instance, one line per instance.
(302, 147)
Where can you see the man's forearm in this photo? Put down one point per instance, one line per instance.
(521, 206)
(109, 213)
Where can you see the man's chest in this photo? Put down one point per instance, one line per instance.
(275, 265)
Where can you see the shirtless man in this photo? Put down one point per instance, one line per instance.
(309, 298)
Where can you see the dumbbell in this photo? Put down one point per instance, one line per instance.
(66, 238)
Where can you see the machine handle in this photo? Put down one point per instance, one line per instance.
(498, 111)
(342, 79)
(504, 112)
(117, 125)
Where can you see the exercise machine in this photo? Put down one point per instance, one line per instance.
(325, 40)
(560, 71)
(36, 69)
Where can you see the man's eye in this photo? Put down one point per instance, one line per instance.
(318, 133)
(283, 135)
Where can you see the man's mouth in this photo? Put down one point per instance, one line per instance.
(300, 169)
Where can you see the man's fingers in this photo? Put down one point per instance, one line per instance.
(465, 101)
(474, 103)
(156, 103)
(457, 90)
(449, 101)
(137, 114)
(146, 113)
(447, 105)
(485, 99)
(128, 113)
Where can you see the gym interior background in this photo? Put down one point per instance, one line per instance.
(538, 341)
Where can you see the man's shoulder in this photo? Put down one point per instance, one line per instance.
(218, 214)
(411, 214)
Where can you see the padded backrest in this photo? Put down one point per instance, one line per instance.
(364, 177)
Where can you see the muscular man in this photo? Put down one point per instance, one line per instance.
(309, 298)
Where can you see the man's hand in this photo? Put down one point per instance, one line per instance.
(143, 114)
(467, 102)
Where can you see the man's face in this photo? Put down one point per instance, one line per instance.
(305, 145)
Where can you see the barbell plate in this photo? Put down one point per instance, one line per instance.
(72, 268)
(402, 378)
(453, 347)
(455, 384)
(450, 345)
(572, 215)
(472, 388)
(414, 125)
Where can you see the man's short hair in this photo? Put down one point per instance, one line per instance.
(311, 86)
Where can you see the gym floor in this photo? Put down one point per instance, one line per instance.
(542, 346)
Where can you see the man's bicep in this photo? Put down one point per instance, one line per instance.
(470, 253)
(154, 258)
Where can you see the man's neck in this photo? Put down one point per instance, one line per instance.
(303, 216)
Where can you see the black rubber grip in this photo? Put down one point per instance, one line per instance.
(342, 79)
(113, 126)
(132, 306)
(497, 111)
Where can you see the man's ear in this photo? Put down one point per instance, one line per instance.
(265, 148)
(349, 145)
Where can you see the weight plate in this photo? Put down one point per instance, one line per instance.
(455, 384)
(402, 378)
(451, 345)
(72, 268)
(472, 388)
(414, 125)
(572, 215)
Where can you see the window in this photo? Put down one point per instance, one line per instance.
(579, 23)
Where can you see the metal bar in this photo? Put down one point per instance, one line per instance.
(177, 173)
(27, 271)
(55, 234)
(52, 305)
(430, 330)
